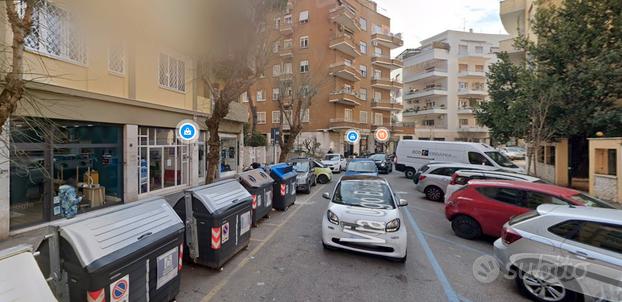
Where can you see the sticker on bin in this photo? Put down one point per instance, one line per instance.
(120, 290)
(259, 200)
(167, 267)
(292, 190)
(96, 296)
(254, 202)
(245, 222)
(268, 199)
(215, 238)
(225, 232)
(283, 189)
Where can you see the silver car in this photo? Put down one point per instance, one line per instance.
(564, 253)
(434, 180)
(462, 177)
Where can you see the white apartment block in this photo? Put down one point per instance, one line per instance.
(444, 80)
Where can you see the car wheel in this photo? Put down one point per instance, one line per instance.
(544, 285)
(307, 189)
(433, 193)
(323, 179)
(314, 181)
(410, 173)
(466, 227)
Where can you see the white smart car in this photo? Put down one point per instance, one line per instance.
(363, 215)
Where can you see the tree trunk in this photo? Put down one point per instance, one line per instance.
(286, 147)
(252, 106)
(221, 109)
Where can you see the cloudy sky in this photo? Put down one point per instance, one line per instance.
(420, 19)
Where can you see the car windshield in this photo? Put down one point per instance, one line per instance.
(319, 164)
(361, 193)
(500, 159)
(362, 166)
(331, 157)
(301, 166)
(377, 157)
(591, 201)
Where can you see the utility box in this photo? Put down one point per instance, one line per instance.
(21, 278)
(284, 187)
(131, 252)
(218, 221)
(259, 184)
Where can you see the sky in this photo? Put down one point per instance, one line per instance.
(421, 19)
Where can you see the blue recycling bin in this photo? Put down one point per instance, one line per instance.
(284, 187)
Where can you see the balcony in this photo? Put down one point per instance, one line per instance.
(471, 74)
(512, 13)
(344, 97)
(345, 44)
(344, 71)
(472, 55)
(345, 15)
(472, 129)
(286, 53)
(472, 92)
(429, 74)
(385, 83)
(342, 123)
(439, 53)
(466, 110)
(425, 111)
(386, 62)
(286, 29)
(403, 127)
(386, 106)
(430, 91)
(388, 40)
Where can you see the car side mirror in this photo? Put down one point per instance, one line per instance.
(403, 202)
(326, 195)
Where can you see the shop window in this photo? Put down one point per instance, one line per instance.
(163, 160)
(84, 163)
(228, 154)
(606, 162)
(202, 154)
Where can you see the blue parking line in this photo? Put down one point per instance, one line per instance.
(449, 291)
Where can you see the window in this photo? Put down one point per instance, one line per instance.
(116, 59)
(565, 229)
(541, 155)
(244, 97)
(304, 16)
(506, 195)
(287, 68)
(54, 33)
(376, 29)
(304, 42)
(377, 96)
(363, 47)
(276, 70)
(276, 117)
(347, 115)
(463, 85)
(305, 116)
(464, 122)
(363, 94)
(288, 19)
(599, 235)
(463, 67)
(363, 117)
(479, 68)
(377, 74)
(378, 119)
(275, 47)
(363, 24)
(550, 156)
(606, 162)
(428, 123)
(479, 49)
(261, 118)
(276, 94)
(163, 160)
(377, 51)
(446, 171)
(277, 23)
(534, 199)
(287, 44)
(478, 159)
(463, 49)
(304, 66)
(363, 70)
(260, 96)
(172, 73)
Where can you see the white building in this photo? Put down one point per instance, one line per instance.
(444, 80)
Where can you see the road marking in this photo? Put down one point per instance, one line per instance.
(271, 224)
(212, 293)
(258, 240)
(449, 291)
(464, 246)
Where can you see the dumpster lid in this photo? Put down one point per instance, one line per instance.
(26, 281)
(221, 194)
(96, 235)
(256, 178)
(282, 171)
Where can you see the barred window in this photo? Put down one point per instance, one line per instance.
(172, 73)
(276, 117)
(54, 33)
(116, 59)
(304, 116)
(261, 117)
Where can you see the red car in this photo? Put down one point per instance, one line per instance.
(483, 206)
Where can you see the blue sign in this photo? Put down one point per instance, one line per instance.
(352, 136)
(187, 131)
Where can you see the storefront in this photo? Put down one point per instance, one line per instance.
(53, 161)
(229, 154)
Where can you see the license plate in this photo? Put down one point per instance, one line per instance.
(167, 267)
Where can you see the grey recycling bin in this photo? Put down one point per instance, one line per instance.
(218, 221)
(259, 184)
(131, 252)
(22, 279)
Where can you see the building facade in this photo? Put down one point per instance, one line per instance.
(444, 81)
(345, 46)
(100, 117)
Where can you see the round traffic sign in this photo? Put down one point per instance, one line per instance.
(187, 131)
(382, 134)
(352, 136)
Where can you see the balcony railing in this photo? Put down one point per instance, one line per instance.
(386, 105)
(286, 28)
(343, 123)
(345, 44)
(428, 73)
(345, 96)
(345, 15)
(345, 71)
(389, 40)
(471, 91)
(387, 62)
(428, 91)
(385, 83)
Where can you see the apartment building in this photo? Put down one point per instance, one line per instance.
(444, 80)
(346, 45)
(100, 115)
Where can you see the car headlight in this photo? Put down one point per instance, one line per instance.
(332, 217)
(383, 164)
(392, 226)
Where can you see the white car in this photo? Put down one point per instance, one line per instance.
(461, 178)
(364, 215)
(434, 179)
(336, 162)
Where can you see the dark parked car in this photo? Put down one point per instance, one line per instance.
(384, 164)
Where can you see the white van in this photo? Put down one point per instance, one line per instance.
(412, 154)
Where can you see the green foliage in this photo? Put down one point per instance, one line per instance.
(255, 139)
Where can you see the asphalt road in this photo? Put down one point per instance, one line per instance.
(285, 261)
